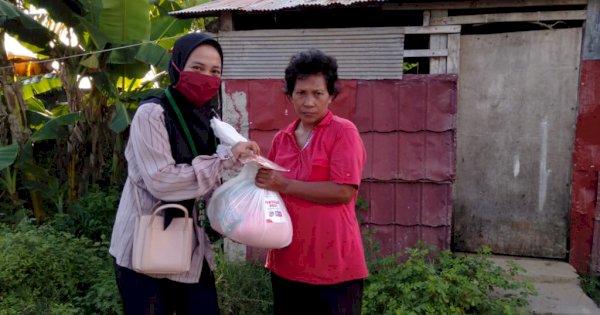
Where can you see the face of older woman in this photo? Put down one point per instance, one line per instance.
(311, 99)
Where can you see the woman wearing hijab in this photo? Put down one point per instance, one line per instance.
(164, 166)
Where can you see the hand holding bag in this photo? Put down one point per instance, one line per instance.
(157, 250)
(243, 212)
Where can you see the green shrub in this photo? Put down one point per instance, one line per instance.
(91, 216)
(244, 288)
(590, 283)
(431, 282)
(43, 271)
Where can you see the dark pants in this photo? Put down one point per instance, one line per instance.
(292, 297)
(144, 295)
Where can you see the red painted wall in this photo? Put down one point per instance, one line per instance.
(586, 165)
(408, 127)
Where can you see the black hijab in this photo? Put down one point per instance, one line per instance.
(182, 49)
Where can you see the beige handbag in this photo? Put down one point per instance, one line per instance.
(162, 251)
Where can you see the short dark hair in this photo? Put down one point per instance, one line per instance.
(310, 62)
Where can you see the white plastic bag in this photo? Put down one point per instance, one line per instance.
(243, 212)
(225, 132)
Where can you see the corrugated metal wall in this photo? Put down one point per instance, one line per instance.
(366, 53)
(408, 127)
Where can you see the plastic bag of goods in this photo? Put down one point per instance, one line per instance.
(244, 212)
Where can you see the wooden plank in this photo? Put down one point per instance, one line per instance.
(426, 17)
(438, 65)
(366, 31)
(510, 17)
(591, 37)
(438, 29)
(481, 4)
(425, 53)
(453, 59)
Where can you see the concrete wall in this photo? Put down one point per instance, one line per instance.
(516, 114)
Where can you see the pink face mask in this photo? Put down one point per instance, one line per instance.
(196, 87)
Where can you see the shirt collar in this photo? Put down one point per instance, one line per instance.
(324, 122)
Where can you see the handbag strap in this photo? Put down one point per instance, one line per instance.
(188, 135)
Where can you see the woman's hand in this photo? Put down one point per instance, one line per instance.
(271, 180)
(244, 149)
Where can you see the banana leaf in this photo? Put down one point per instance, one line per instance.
(65, 11)
(34, 35)
(54, 128)
(8, 154)
(133, 71)
(155, 55)
(163, 25)
(125, 21)
(35, 105)
(121, 118)
(40, 84)
(91, 35)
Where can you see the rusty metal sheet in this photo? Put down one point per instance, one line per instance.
(408, 210)
(415, 103)
(409, 168)
(438, 236)
(441, 103)
(344, 104)
(268, 107)
(407, 204)
(595, 266)
(367, 139)
(385, 238)
(436, 206)
(407, 236)
(395, 239)
(589, 86)
(264, 139)
(213, 8)
(587, 132)
(410, 156)
(582, 215)
(382, 201)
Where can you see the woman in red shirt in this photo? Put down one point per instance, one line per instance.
(322, 270)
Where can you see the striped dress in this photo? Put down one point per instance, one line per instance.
(153, 176)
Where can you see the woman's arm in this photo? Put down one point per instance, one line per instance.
(317, 192)
(164, 179)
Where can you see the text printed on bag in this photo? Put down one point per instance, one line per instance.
(272, 209)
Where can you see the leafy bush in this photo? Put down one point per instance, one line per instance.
(590, 283)
(244, 288)
(431, 282)
(43, 271)
(91, 216)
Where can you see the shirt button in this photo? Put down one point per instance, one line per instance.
(348, 174)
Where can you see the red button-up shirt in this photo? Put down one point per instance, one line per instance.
(326, 247)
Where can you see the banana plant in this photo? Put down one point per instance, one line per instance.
(8, 154)
(118, 43)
